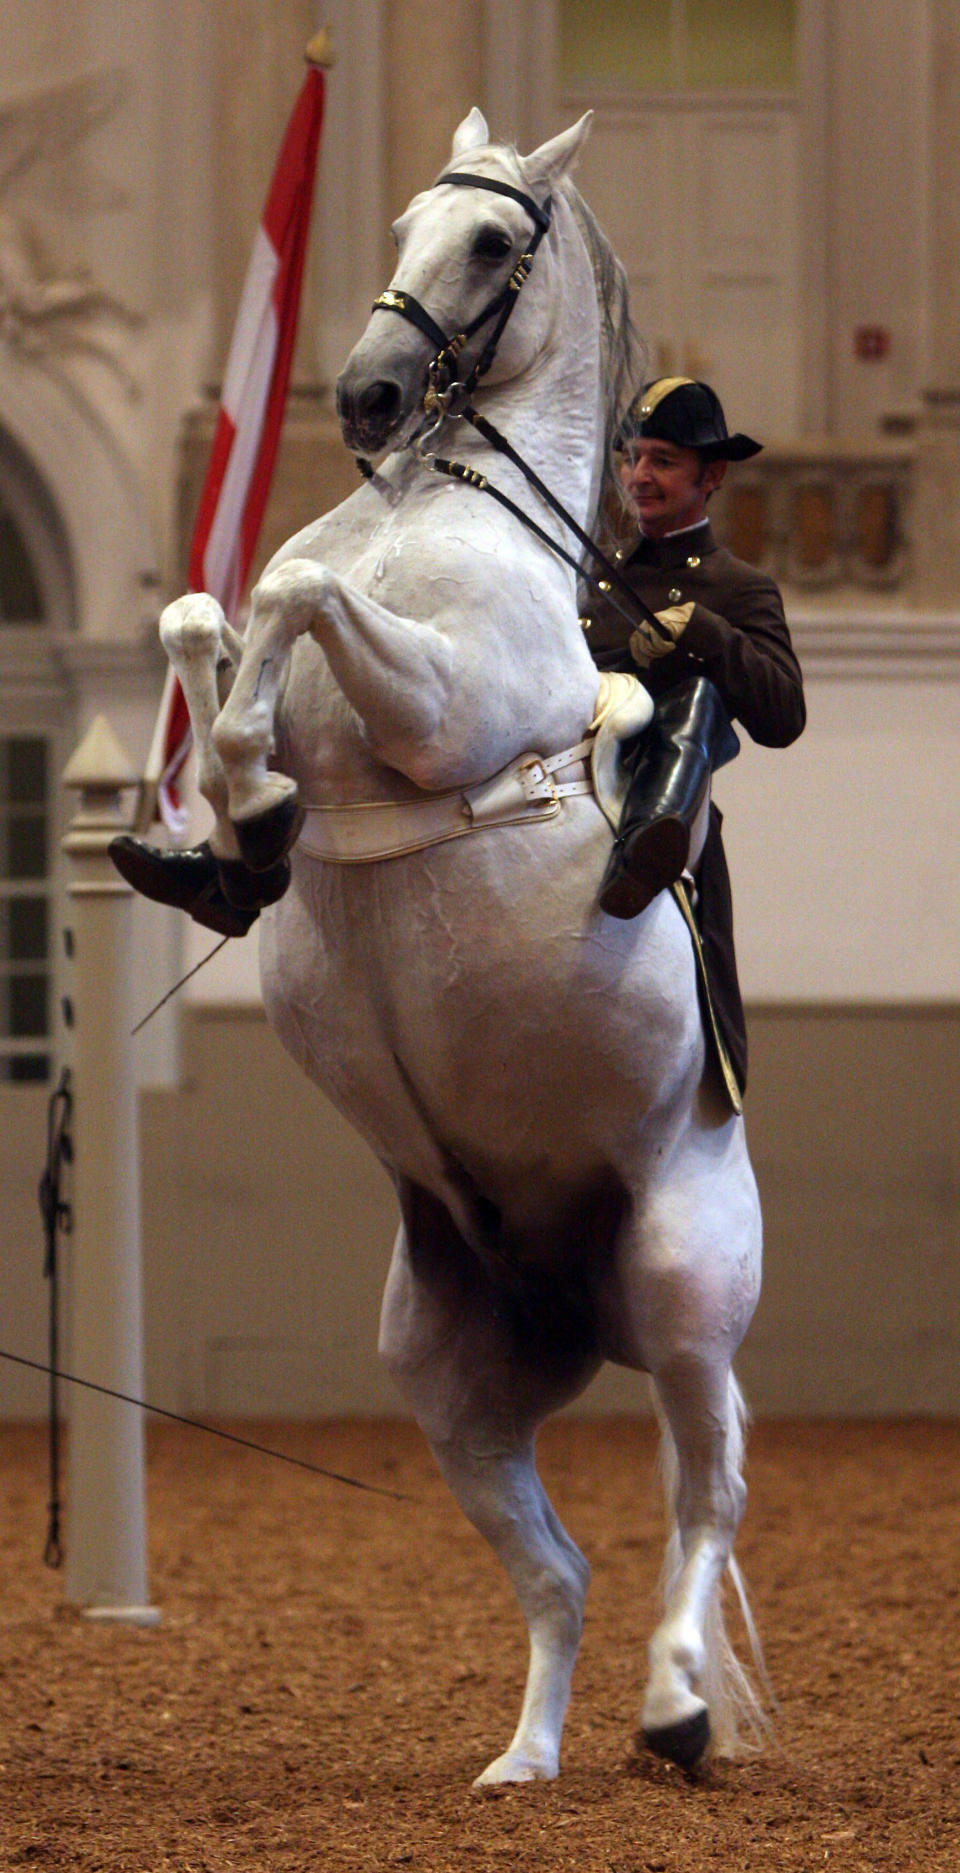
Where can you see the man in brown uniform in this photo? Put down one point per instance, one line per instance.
(724, 654)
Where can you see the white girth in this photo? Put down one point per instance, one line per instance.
(532, 787)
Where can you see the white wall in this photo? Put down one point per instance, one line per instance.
(842, 848)
(873, 209)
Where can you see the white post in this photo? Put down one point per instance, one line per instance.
(106, 1571)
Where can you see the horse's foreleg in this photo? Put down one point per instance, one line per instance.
(195, 634)
(395, 672)
(244, 731)
(399, 675)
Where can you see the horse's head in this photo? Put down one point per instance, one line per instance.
(459, 245)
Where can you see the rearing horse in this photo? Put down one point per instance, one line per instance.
(573, 1188)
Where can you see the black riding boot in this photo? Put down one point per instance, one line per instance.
(221, 894)
(689, 736)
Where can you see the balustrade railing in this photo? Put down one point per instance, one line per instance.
(822, 516)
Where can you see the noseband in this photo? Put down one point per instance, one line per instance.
(445, 396)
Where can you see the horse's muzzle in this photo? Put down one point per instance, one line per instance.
(369, 412)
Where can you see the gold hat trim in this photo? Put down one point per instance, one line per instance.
(656, 392)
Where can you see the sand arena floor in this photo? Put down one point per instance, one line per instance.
(332, 1669)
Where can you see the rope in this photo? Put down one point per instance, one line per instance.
(212, 1430)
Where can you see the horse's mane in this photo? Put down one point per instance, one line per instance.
(623, 355)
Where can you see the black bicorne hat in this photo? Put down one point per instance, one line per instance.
(688, 413)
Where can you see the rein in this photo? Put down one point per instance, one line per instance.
(450, 398)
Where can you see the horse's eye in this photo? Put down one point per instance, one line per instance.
(491, 244)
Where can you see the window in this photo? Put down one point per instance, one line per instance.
(644, 46)
(37, 608)
(25, 908)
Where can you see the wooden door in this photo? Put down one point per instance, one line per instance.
(692, 168)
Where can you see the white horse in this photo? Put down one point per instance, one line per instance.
(573, 1187)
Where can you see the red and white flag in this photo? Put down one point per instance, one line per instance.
(250, 417)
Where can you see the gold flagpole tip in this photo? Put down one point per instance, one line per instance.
(319, 49)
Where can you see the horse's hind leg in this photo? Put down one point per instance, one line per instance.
(696, 1690)
(692, 1293)
(479, 1394)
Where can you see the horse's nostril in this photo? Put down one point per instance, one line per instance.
(379, 403)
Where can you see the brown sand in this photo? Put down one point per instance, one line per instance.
(332, 1669)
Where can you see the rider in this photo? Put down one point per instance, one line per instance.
(725, 653)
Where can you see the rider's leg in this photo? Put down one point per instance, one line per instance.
(220, 894)
(689, 737)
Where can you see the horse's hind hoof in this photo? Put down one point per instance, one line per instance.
(265, 838)
(684, 1743)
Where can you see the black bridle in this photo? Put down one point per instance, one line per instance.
(498, 308)
(446, 397)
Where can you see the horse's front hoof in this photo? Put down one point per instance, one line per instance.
(265, 838)
(684, 1743)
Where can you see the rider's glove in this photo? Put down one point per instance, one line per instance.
(646, 643)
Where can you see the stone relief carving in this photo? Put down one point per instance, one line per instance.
(47, 313)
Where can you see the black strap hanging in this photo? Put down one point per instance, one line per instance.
(57, 1219)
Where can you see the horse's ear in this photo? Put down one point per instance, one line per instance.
(472, 134)
(544, 167)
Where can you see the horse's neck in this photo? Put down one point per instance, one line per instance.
(551, 414)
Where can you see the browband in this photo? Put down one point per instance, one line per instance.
(460, 179)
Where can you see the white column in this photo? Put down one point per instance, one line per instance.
(106, 1571)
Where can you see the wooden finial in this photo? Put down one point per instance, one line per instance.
(319, 49)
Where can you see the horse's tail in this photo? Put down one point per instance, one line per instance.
(739, 1723)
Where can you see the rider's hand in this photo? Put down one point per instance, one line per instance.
(647, 644)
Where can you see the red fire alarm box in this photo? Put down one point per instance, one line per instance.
(871, 342)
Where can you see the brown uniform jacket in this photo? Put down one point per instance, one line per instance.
(738, 637)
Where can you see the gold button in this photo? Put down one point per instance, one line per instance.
(619, 553)
(604, 585)
(674, 594)
(694, 560)
(586, 623)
